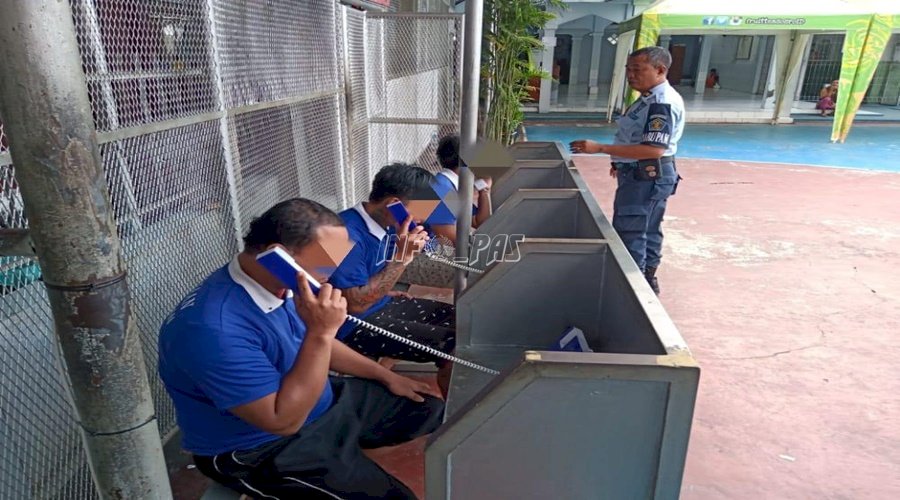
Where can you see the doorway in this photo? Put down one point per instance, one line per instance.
(676, 72)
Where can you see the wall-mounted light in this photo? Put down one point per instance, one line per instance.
(613, 39)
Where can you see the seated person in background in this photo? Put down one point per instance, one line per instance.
(448, 179)
(382, 251)
(442, 223)
(827, 98)
(712, 79)
(247, 363)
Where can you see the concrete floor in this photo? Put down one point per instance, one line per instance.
(784, 282)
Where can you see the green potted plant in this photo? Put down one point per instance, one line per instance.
(509, 75)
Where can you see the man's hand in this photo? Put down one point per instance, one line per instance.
(589, 147)
(409, 242)
(398, 293)
(488, 182)
(408, 388)
(323, 314)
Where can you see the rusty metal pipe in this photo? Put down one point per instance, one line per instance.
(47, 116)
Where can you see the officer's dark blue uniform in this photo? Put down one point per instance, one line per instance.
(655, 119)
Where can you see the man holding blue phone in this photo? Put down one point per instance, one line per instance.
(383, 248)
(246, 362)
(442, 222)
(447, 180)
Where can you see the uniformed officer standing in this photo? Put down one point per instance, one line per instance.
(643, 157)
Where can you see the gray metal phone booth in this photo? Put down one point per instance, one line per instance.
(613, 423)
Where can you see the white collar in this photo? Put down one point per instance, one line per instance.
(453, 176)
(374, 229)
(263, 298)
(657, 90)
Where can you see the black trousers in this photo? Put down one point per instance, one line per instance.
(324, 460)
(427, 322)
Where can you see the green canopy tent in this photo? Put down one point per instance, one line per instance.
(867, 26)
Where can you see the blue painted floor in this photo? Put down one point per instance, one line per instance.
(870, 147)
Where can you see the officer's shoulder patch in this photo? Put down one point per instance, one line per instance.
(656, 124)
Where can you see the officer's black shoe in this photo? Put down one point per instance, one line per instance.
(650, 274)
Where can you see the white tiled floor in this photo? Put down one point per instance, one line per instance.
(576, 98)
(715, 106)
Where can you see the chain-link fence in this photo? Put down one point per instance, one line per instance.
(208, 112)
(417, 97)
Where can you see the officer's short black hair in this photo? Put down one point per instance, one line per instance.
(399, 180)
(292, 223)
(448, 152)
(657, 56)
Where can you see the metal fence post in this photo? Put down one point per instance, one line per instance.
(44, 100)
(468, 131)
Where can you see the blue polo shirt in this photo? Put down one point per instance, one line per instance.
(228, 343)
(444, 182)
(372, 249)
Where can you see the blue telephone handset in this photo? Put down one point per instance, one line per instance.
(285, 268)
(400, 213)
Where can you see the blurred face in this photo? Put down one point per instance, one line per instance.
(834, 84)
(643, 76)
(321, 257)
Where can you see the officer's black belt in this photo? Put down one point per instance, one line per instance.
(634, 164)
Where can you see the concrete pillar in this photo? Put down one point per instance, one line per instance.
(780, 56)
(596, 57)
(703, 64)
(789, 83)
(575, 63)
(549, 41)
(761, 61)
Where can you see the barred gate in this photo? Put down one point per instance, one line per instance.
(207, 112)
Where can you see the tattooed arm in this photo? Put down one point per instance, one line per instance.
(363, 297)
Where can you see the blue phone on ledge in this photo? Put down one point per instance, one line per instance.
(285, 268)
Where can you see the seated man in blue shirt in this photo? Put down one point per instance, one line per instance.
(246, 363)
(442, 222)
(382, 251)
